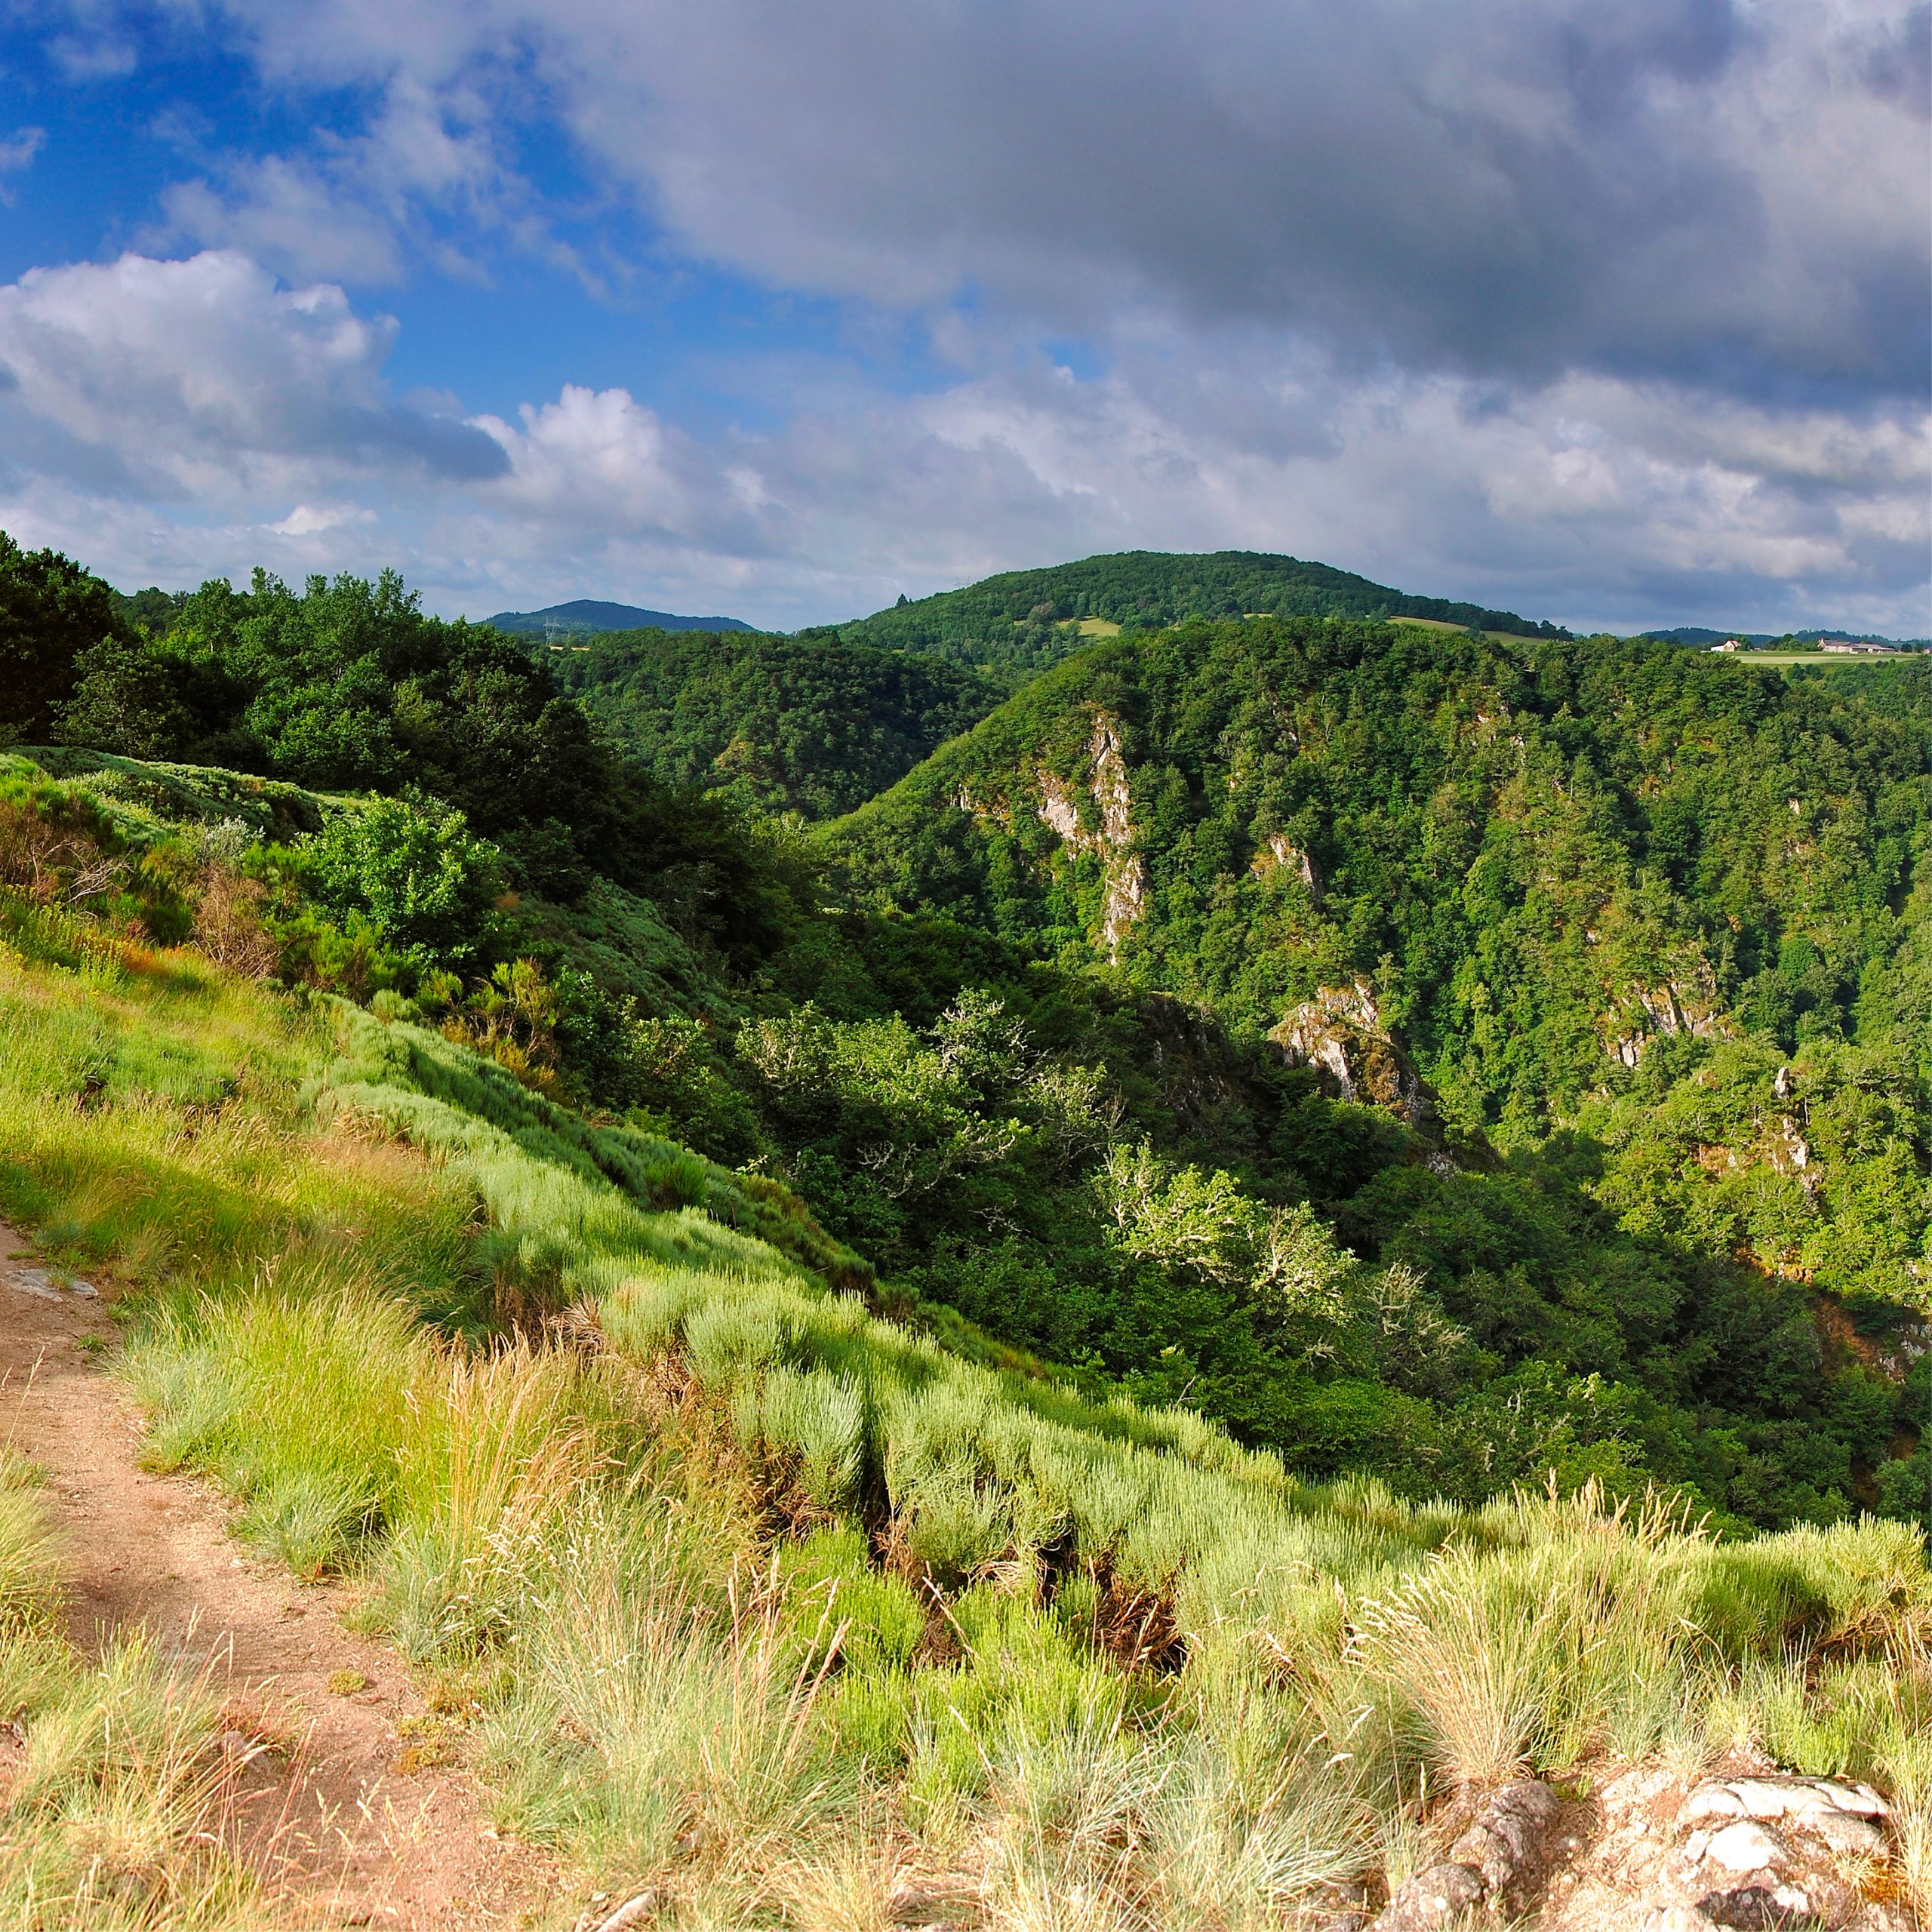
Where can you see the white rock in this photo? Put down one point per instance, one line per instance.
(1678, 1918)
(1634, 1787)
(1860, 1799)
(1858, 1836)
(1793, 1797)
(1708, 1801)
(1744, 1847)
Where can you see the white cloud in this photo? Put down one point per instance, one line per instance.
(83, 57)
(202, 378)
(364, 208)
(16, 153)
(282, 212)
(319, 519)
(153, 405)
(600, 463)
(18, 149)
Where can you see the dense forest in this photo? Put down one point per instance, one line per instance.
(1457, 1058)
(1017, 623)
(814, 726)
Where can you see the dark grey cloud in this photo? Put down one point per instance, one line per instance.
(444, 447)
(1731, 195)
(1895, 61)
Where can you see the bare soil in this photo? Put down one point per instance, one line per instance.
(335, 1804)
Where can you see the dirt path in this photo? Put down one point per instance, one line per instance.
(333, 1808)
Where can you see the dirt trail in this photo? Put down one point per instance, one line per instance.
(333, 1811)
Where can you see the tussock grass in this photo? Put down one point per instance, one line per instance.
(775, 1605)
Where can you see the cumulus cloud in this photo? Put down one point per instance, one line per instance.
(190, 391)
(205, 375)
(602, 464)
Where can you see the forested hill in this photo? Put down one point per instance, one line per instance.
(1020, 622)
(816, 725)
(1543, 856)
(586, 616)
(1543, 878)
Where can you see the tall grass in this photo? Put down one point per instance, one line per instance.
(774, 1605)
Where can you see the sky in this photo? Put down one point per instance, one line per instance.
(1617, 315)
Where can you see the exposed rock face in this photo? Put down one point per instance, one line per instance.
(1112, 841)
(1497, 1861)
(1687, 1003)
(1341, 1031)
(1757, 1851)
(1277, 853)
(1761, 1850)
(1789, 1151)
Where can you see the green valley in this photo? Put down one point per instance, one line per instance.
(1017, 1222)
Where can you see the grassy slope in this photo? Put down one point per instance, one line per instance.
(689, 1568)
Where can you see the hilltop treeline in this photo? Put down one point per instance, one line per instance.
(1021, 622)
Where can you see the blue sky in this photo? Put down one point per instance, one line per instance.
(1616, 316)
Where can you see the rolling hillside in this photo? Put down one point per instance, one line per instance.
(1316, 1228)
(1017, 623)
(1623, 888)
(726, 1602)
(1570, 997)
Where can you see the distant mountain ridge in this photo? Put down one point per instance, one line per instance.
(586, 616)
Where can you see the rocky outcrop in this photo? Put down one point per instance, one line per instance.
(1686, 1003)
(1277, 853)
(1758, 1850)
(1111, 840)
(1340, 1033)
(1497, 1861)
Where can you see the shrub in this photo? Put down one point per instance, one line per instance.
(426, 883)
